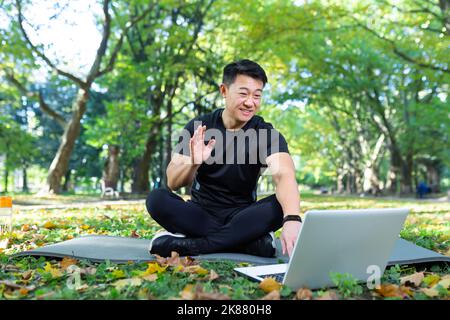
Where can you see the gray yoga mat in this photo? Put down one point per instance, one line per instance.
(98, 248)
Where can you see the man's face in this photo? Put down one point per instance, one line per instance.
(242, 97)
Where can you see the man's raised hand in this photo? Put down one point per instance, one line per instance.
(200, 152)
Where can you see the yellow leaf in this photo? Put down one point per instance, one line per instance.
(196, 269)
(120, 284)
(431, 280)
(56, 273)
(187, 292)
(118, 274)
(25, 228)
(27, 275)
(84, 227)
(431, 292)
(269, 284)
(414, 279)
(445, 282)
(155, 267)
(50, 225)
(178, 268)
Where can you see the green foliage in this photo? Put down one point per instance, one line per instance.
(347, 285)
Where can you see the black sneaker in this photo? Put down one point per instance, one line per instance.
(263, 246)
(165, 242)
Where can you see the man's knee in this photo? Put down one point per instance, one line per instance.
(156, 200)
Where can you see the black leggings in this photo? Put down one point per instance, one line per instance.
(220, 229)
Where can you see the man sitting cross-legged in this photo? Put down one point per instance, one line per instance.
(222, 154)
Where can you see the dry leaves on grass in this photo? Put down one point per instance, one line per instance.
(191, 292)
(67, 262)
(185, 264)
(433, 292)
(304, 294)
(414, 280)
(394, 291)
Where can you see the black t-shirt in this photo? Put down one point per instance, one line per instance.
(229, 177)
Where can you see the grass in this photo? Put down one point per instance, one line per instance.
(40, 278)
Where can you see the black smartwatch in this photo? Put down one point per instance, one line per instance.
(292, 217)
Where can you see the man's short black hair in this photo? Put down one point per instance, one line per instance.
(244, 67)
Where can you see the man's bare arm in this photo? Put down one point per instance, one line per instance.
(180, 171)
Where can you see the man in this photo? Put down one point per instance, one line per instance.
(223, 214)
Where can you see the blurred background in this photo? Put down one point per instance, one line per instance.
(91, 92)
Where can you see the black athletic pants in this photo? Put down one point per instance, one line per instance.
(216, 230)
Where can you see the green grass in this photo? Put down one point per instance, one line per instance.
(39, 278)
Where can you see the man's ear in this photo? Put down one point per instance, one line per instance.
(223, 89)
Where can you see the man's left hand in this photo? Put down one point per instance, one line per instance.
(289, 235)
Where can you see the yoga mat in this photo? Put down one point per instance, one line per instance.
(98, 248)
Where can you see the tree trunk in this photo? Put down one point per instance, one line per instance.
(141, 180)
(66, 185)
(24, 180)
(111, 170)
(6, 178)
(60, 163)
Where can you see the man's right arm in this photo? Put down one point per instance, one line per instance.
(180, 171)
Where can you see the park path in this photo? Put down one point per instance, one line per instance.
(21, 206)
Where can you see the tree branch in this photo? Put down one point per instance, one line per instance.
(118, 46)
(400, 53)
(42, 104)
(68, 75)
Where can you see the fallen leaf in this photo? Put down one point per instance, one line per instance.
(25, 228)
(444, 282)
(82, 288)
(430, 292)
(393, 291)
(27, 275)
(269, 284)
(213, 275)
(434, 291)
(414, 279)
(67, 262)
(116, 274)
(56, 273)
(272, 295)
(304, 294)
(431, 280)
(85, 227)
(187, 292)
(134, 234)
(50, 225)
(120, 284)
(196, 270)
(154, 267)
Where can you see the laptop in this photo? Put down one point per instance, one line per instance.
(340, 241)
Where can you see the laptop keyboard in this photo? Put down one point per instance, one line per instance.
(277, 276)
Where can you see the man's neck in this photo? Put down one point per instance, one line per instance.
(231, 123)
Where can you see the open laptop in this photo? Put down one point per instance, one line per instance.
(342, 241)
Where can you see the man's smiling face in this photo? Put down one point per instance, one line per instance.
(243, 97)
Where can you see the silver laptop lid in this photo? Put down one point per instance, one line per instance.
(343, 241)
